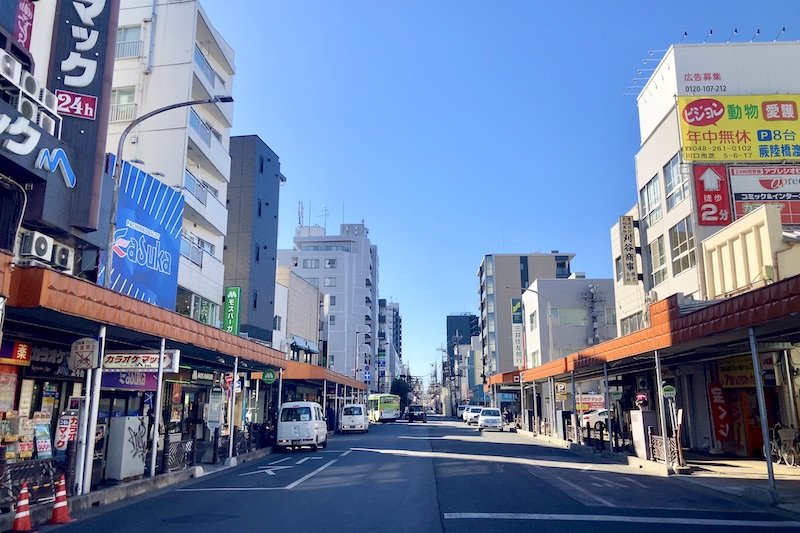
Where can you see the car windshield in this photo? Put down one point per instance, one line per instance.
(490, 412)
(475, 409)
(352, 411)
(415, 408)
(296, 414)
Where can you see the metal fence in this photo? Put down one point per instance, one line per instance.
(41, 476)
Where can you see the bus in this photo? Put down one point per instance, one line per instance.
(383, 407)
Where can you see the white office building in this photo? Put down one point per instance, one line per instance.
(344, 267)
(167, 53)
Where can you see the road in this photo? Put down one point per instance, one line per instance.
(436, 477)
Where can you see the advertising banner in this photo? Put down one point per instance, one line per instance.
(713, 198)
(147, 238)
(141, 381)
(233, 296)
(627, 244)
(740, 128)
(142, 361)
(516, 332)
(719, 412)
(754, 186)
(15, 353)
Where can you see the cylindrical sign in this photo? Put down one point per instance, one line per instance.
(215, 400)
(669, 391)
(269, 376)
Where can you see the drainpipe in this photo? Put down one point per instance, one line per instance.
(608, 408)
(157, 408)
(231, 432)
(762, 407)
(149, 67)
(661, 414)
(787, 365)
(575, 421)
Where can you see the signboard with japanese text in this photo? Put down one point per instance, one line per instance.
(215, 400)
(80, 67)
(516, 332)
(754, 186)
(140, 381)
(15, 353)
(713, 198)
(84, 353)
(147, 238)
(627, 245)
(66, 430)
(231, 312)
(740, 128)
(142, 361)
(719, 412)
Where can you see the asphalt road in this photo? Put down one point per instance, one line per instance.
(436, 477)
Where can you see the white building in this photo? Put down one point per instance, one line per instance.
(167, 53)
(698, 166)
(390, 344)
(297, 317)
(344, 267)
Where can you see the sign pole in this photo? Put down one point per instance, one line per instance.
(231, 408)
(93, 408)
(156, 409)
(83, 413)
(762, 407)
(661, 414)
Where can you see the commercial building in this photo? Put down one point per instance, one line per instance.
(344, 267)
(390, 344)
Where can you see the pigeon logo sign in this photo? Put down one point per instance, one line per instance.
(713, 197)
(146, 246)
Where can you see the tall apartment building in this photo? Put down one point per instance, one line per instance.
(251, 244)
(501, 280)
(344, 267)
(707, 158)
(167, 53)
(390, 344)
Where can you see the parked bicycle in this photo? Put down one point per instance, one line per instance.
(783, 445)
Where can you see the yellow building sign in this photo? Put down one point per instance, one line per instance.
(740, 128)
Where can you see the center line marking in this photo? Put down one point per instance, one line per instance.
(628, 519)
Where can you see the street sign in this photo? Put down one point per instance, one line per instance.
(214, 407)
(84, 354)
(233, 296)
(269, 376)
(669, 391)
(616, 396)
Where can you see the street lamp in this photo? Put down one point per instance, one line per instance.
(116, 175)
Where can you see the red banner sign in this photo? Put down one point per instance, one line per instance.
(713, 196)
(719, 412)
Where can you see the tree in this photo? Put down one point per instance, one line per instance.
(401, 388)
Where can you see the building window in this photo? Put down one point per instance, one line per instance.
(331, 320)
(333, 300)
(330, 263)
(276, 322)
(631, 323)
(259, 209)
(255, 299)
(123, 108)
(129, 42)
(568, 316)
(681, 241)
(658, 261)
(313, 281)
(206, 246)
(650, 202)
(618, 267)
(261, 164)
(611, 316)
(329, 282)
(258, 253)
(310, 263)
(676, 184)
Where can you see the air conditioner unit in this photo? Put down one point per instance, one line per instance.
(652, 296)
(590, 341)
(63, 257)
(27, 108)
(48, 123)
(49, 101)
(10, 69)
(32, 262)
(37, 245)
(30, 85)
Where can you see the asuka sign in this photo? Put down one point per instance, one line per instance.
(147, 239)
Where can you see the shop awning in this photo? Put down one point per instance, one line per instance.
(304, 371)
(305, 345)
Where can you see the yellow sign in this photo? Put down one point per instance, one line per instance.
(740, 128)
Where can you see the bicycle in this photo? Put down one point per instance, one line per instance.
(774, 445)
(788, 442)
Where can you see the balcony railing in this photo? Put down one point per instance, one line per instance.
(208, 71)
(200, 127)
(128, 49)
(191, 251)
(194, 186)
(122, 112)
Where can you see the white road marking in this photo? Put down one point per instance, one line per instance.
(269, 470)
(303, 460)
(256, 489)
(280, 460)
(307, 476)
(608, 482)
(348, 452)
(586, 493)
(626, 519)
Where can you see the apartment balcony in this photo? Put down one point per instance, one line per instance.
(206, 147)
(122, 112)
(208, 83)
(202, 207)
(128, 49)
(200, 272)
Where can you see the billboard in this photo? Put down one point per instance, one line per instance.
(516, 332)
(740, 128)
(627, 244)
(147, 238)
(233, 296)
(754, 186)
(713, 198)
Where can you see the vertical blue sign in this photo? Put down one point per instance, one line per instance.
(147, 239)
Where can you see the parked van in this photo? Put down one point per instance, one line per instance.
(302, 424)
(354, 418)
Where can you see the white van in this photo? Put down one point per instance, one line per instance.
(302, 424)
(354, 418)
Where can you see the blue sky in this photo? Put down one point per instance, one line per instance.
(456, 129)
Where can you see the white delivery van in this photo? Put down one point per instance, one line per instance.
(302, 424)
(354, 418)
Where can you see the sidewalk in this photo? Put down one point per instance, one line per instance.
(735, 476)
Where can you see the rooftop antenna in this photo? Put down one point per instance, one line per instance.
(779, 34)
(684, 36)
(756, 34)
(300, 213)
(324, 214)
(710, 33)
(735, 31)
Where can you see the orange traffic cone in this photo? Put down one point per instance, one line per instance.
(22, 513)
(60, 508)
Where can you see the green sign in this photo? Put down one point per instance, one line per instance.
(268, 377)
(231, 321)
(669, 391)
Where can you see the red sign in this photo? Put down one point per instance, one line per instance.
(66, 431)
(713, 196)
(703, 112)
(16, 353)
(24, 22)
(719, 412)
(76, 104)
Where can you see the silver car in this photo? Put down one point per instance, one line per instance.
(471, 414)
(490, 418)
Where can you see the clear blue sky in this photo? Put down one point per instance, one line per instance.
(456, 129)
